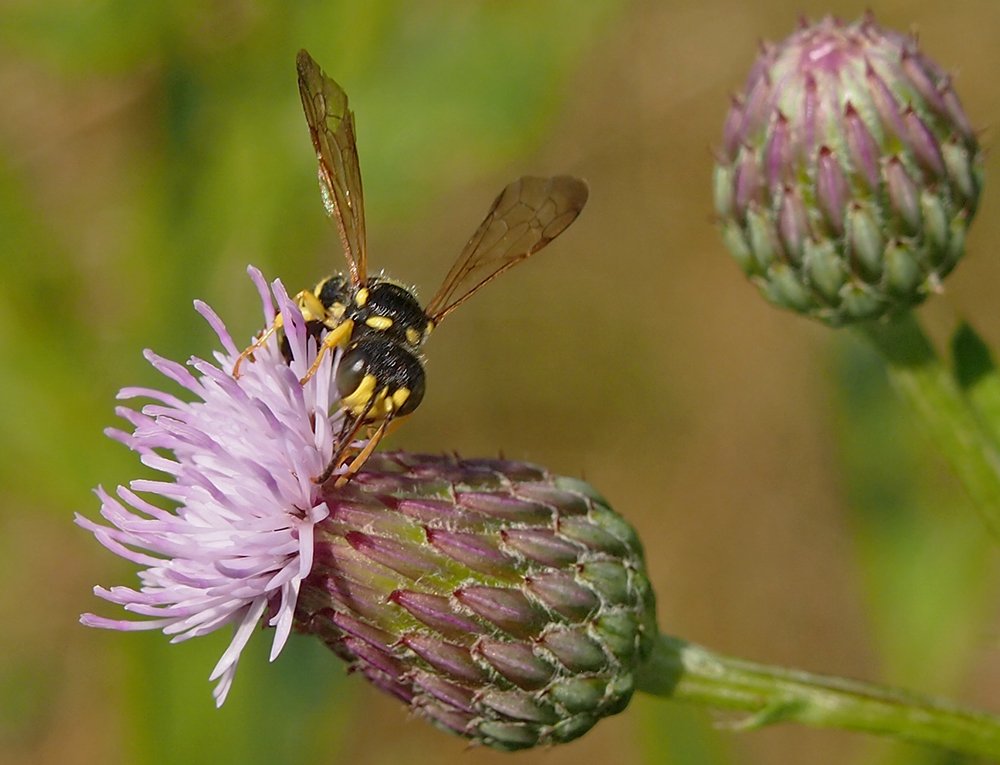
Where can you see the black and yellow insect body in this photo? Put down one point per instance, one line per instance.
(381, 374)
(380, 325)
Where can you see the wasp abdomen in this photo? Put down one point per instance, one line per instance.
(378, 378)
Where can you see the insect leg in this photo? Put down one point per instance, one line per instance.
(358, 462)
(339, 336)
(348, 434)
(261, 340)
(311, 309)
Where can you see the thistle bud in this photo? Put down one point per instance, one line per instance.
(848, 173)
(499, 602)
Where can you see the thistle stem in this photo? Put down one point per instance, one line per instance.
(918, 373)
(685, 672)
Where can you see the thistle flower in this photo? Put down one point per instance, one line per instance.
(239, 542)
(499, 602)
(848, 174)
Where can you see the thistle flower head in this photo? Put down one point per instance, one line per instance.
(499, 602)
(848, 173)
(238, 461)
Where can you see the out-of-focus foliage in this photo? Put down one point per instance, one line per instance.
(148, 152)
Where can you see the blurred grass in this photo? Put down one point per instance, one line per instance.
(920, 547)
(148, 153)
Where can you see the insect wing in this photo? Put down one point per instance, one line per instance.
(527, 215)
(331, 126)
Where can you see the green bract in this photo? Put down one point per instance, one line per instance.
(500, 602)
(848, 173)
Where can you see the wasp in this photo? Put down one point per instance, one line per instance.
(379, 325)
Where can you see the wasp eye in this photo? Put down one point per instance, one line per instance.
(351, 371)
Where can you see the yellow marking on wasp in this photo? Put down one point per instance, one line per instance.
(429, 328)
(361, 297)
(412, 336)
(383, 405)
(399, 397)
(380, 406)
(339, 336)
(310, 306)
(379, 322)
(337, 311)
(358, 400)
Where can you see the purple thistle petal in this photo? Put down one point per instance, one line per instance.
(217, 326)
(172, 370)
(238, 461)
(151, 393)
(122, 625)
(266, 301)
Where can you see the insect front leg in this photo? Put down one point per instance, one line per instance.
(338, 337)
(309, 306)
(261, 340)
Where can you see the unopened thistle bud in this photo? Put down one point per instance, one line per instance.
(848, 173)
(499, 602)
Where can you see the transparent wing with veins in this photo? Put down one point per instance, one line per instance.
(331, 127)
(525, 217)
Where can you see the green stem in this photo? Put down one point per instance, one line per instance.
(918, 373)
(685, 672)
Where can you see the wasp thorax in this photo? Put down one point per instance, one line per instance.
(333, 289)
(378, 378)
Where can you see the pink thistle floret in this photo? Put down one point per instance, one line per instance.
(238, 462)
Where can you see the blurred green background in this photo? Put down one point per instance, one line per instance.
(791, 512)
